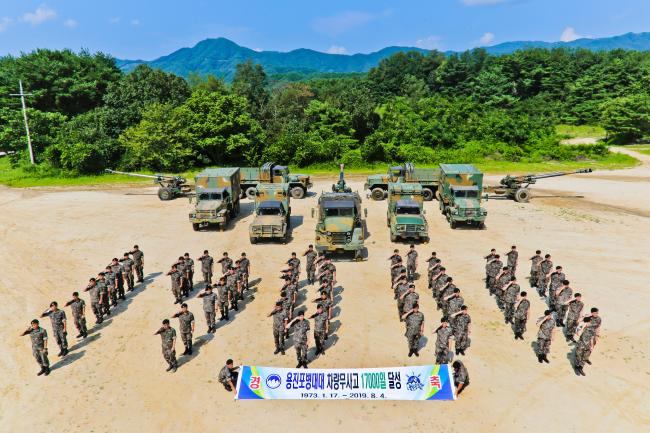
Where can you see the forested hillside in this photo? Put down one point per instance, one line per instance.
(86, 114)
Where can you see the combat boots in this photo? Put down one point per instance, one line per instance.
(545, 359)
(189, 348)
(540, 358)
(41, 372)
(410, 353)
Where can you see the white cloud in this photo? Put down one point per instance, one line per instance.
(429, 43)
(341, 23)
(114, 20)
(70, 23)
(569, 34)
(487, 38)
(135, 22)
(4, 23)
(335, 49)
(40, 15)
(259, 50)
(483, 2)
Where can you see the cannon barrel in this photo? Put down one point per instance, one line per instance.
(559, 173)
(341, 174)
(148, 176)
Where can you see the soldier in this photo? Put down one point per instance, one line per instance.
(462, 329)
(209, 308)
(556, 281)
(410, 298)
(595, 324)
(573, 316)
(433, 270)
(207, 264)
(326, 303)
(244, 270)
(445, 294)
(103, 291)
(331, 268)
(443, 341)
(501, 280)
(397, 268)
(492, 269)
(168, 339)
(138, 263)
(176, 284)
(401, 290)
(111, 286)
(291, 293)
(127, 265)
(78, 307)
(511, 291)
(584, 346)
(411, 262)
(321, 329)
(522, 311)
(545, 336)
(453, 302)
(59, 326)
(189, 270)
(38, 336)
(186, 325)
(513, 258)
(232, 283)
(300, 338)
(400, 281)
(226, 263)
(224, 298)
(294, 262)
(534, 268)
(395, 258)
(437, 282)
(287, 307)
(562, 299)
(95, 300)
(182, 271)
(461, 378)
(117, 269)
(228, 376)
(545, 267)
(414, 328)
(310, 255)
(493, 255)
(433, 262)
(280, 320)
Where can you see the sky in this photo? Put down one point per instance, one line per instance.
(145, 29)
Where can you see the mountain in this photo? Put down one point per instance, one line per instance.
(220, 56)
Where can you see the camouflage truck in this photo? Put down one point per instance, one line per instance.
(405, 215)
(272, 212)
(459, 195)
(217, 197)
(428, 178)
(271, 172)
(340, 227)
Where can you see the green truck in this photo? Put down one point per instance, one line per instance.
(428, 178)
(217, 197)
(340, 227)
(459, 195)
(271, 172)
(405, 215)
(272, 212)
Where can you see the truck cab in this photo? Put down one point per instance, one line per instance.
(405, 214)
(216, 198)
(460, 195)
(272, 212)
(340, 227)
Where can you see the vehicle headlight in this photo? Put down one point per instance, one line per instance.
(328, 233)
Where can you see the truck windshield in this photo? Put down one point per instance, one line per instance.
(339, 211)
(466, 194)
(269, 211)
(408, 210)
(210, 196)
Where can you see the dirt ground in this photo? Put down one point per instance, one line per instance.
(53, 240)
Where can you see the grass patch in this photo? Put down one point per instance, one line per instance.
(580, 131)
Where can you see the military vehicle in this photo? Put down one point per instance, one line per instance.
(272, 212)
(271, 172)
(171, 187)
(217, 197)
(517, 187)
(340, 227)
(459, 195)
(428, 178)
(405, 215)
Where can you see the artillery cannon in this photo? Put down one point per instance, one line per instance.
(517, 187)
(340, 186)
(171, 187)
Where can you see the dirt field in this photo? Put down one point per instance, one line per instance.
(54, 240)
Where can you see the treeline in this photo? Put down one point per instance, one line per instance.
(86, 115)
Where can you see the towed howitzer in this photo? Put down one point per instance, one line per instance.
(171, 187)
(340, 186)
(517, 187)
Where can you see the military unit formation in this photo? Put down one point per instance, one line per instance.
(340, 228)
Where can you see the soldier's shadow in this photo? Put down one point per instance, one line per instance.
(82, 343)
(123, 305)
(254, 282)
(423, 342)
(232, 314)
(335, 325)
(67, 360)
(335, 312)
(535, 347)
(197, 344)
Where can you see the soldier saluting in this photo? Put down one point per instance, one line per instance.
(209, 307)
(226, 263)
(280, 320)
(186, 322)
(95, 300)
(321, 329)
(38, 336)
(207, 265)
(78, 307)
(300, 338)
(414, 329)
(168, 339)
(545, 336)
(59, 326)
(310, 256)
(138, 261)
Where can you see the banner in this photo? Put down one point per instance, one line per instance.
(426, 382)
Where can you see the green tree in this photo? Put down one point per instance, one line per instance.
(250, 81)
(627, 119)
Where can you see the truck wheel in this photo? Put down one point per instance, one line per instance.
(481, 226)
(522, 195)
(393, 238)
(250, 192)
(165, 194)
(297, 192)
(253, 240)
(452, 224)
(377, 194)
(195, 226)
(427, 194)
(441, 204)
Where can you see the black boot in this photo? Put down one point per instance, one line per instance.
(42, 371)
(545, 359)
(170, 367)
(277, 350)
(189, 348)
(416, 352)
(581, 371)
(47, 371)
(540, 358)
(410, 353)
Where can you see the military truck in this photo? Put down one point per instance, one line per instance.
(405, 215)
(271, 172)
(217, 197)
(459, 195)
(428, 178)
(340, 227)
(272, 212)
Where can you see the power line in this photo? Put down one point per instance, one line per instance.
(22, 100)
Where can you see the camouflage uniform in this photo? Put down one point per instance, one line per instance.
(573, 315)
(461, 376)
(206, 268)
(295, 263)
(521, 316)
(562, 298)
(401, 289)
(291, 290)
(556, 281)
(77, 307)
(300, 330)
(534, 269)
(410, 300)
(453, 306)
(279, 318)
(437, 284)
(222, 292)
(57, 317)
(109, 278)
(544, 337)
(513, 255)
(544, 267)
(185, 321)
(119, 279)
(461, 331)
(38, 337)
(127, 265)
(394, 272)
(492, 271)
(320, 334)
(442, 344)
(244, 265)
(189, 272)
(137, 265)
(326, 303)
(231, 284)
(176, 285)
(498, 288)
(413, 325)
(167, 337)
(510, 298)
(433, 266)
(181, 268)
(225, 376)
(226, 263)
(209, 301)
(585, 346)
(310, 266)
(411, 264)
(93, 291)
(103, 290)
(447, 291)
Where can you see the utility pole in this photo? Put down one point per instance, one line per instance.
(22, 100)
